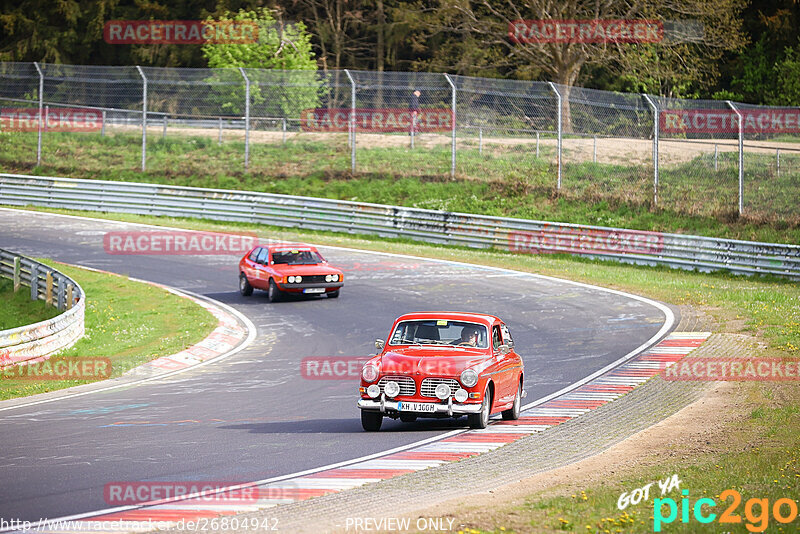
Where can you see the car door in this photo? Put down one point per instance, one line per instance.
(501, 377)
(262, 269)
(513, 359)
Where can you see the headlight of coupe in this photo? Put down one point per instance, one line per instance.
(334, 278)
(369, 373)
(469, 378)
(298, 279)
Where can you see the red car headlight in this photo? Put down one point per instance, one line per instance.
(369, 373)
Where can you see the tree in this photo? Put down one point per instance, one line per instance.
(285, 49)
(478, 29)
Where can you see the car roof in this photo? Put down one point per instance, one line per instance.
(291, 246)
(451, 316)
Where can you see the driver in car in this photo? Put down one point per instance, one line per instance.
(469, 336)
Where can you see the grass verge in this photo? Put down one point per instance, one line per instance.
(758, 456)
(695, 197)
(18, 309)
(128, 322)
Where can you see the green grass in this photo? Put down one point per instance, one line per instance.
(128, 322)
(507, 181)
(18, 309)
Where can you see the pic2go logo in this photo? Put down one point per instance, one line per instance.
(756, 511)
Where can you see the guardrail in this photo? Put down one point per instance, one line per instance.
(38, 341)
(516, 235)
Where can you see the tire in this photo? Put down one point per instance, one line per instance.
(408, 417)
(481, 419)
(371, 421)
(244, 286)
(273, 293)
(512, 414)
(333, 294)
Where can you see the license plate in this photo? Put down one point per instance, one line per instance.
(424, 407)
(314, 290)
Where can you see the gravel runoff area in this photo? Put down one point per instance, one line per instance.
(564, 444)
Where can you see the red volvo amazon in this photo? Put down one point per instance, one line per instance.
(288, 268)
(442, 364)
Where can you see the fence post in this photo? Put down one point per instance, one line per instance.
(452, 118)
(34, 282)
(656, 131)
(69, 296)
(48, 288)
(144, 117)
(103, 125)
(46, 117)
(246, 118)
(558, 146)
(741, 155)
(16, 274)
(352, 121)
(283, 135)
(41, 104)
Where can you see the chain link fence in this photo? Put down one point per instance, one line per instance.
(691, 156)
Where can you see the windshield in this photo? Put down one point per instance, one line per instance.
(440, 332)
(296, 257)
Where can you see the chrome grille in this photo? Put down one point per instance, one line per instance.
(428, 388)
(407, 385)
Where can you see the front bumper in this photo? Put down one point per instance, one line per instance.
(382, 405)
(305, 285)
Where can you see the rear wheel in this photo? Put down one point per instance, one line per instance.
(512, 414)
(481, 419)
(333, 294)
(244, 286)
(273, 293)
(371, 421)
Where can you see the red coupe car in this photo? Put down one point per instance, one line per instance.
(288, 268)
(442, 364)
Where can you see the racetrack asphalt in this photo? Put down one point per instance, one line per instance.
(253, 416)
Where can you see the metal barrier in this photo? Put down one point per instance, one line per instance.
(515, 235)
(40, 340)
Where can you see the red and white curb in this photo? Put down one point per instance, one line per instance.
(454, 446)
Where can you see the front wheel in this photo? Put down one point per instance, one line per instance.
(333, 294)
(273, 293)
(512, 414)
(244, 286)
(371, 421)
(481, 419)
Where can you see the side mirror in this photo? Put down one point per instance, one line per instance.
(503, 349)
(379, 344)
